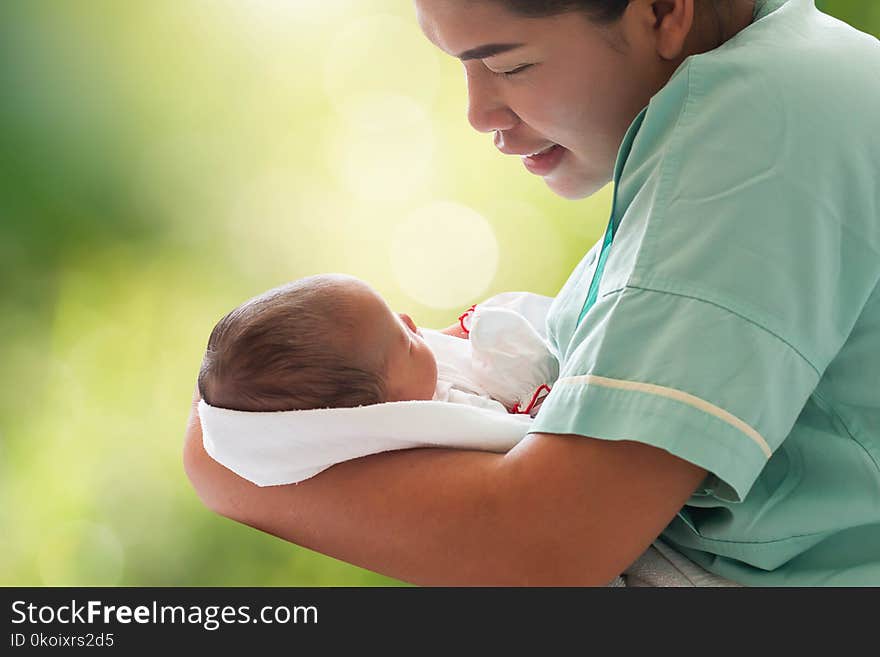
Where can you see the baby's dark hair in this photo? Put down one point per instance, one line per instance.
(291, 348)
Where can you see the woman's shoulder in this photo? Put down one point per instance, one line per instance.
(793, 96)
(796, 63)
(751, 157)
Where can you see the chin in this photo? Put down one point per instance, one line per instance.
(576, 186)
(574, 191)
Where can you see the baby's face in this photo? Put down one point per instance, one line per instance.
(411, 366)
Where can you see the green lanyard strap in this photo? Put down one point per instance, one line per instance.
(622, 155)
(597, 273)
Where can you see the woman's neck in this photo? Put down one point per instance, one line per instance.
(729, 17)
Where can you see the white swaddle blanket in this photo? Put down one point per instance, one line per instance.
(503, 363)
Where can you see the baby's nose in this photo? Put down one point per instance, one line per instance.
(409, 322)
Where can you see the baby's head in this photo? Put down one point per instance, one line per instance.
(325, 341)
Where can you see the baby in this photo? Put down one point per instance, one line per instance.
(331, 341)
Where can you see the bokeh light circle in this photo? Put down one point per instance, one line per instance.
(444, 255)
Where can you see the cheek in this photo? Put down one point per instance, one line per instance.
(587, 103)
(432, 360)
(565, 116)
(548, 108)
(431, 365)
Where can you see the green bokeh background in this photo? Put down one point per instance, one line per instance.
(162, 161)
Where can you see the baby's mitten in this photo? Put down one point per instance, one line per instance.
(511, 360)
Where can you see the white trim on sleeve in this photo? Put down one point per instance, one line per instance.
(677, 395)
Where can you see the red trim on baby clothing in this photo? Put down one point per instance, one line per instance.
(531, 405)
(463, 315)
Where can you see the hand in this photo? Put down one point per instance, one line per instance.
(455, 330)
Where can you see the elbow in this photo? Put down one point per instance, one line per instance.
(559, 570)
(547, 559)
(197, 465)
(193, 468)
(548, 538)
(202, 471)
(521, 550)
(521, 567)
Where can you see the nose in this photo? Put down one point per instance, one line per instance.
(487, 110)
(408, 321)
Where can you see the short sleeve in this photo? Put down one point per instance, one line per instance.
(742, 259)
(683, 375)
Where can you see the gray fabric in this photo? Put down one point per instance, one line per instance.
(660, 565)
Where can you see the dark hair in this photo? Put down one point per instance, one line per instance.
(601, 11)
(291, 348)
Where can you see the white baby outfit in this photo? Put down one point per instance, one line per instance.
(506, 364)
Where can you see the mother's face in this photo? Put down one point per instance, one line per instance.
(558, 80)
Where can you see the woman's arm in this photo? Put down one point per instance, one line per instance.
(555, 510)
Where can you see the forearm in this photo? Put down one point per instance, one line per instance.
(426, 516)
(556, 510)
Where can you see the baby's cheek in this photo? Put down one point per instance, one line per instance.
(431, 378)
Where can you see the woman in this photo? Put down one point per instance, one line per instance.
(720, 347)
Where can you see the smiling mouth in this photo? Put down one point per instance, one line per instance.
(540, 152)
(545, 161)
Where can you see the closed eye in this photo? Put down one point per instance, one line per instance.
(510, 74)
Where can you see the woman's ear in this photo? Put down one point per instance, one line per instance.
(673, 22)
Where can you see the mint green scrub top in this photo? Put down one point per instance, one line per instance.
(731, 315)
